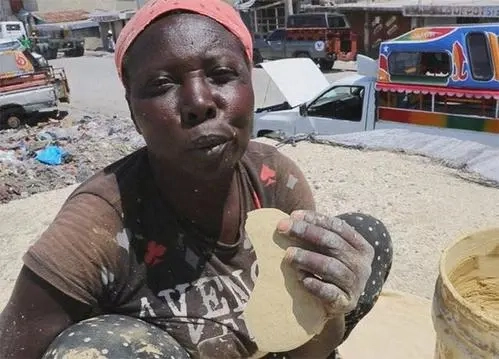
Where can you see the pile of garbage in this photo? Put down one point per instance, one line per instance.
(55, 154)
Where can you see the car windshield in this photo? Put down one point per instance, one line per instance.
(10, 45)
(277, 35)
(334, 94)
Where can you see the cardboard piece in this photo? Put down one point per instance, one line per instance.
(280, 314)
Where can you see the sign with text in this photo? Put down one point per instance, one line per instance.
(452, 11)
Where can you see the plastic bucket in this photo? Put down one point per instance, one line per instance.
(465, 309)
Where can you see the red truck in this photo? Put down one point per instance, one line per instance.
(324, 37)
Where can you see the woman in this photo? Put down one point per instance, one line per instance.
(159, 235)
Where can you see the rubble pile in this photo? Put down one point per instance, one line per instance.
(85, 144)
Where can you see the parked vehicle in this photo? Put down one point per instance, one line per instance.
(12, 30)
(50, 39)
(276, 46)
(11, 44)
(442, 81)
(322, 37)
(28, 88)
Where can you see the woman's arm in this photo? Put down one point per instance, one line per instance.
(35, 314)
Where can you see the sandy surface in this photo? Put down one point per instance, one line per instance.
(21, 222)
(423, 204)
(399, 326)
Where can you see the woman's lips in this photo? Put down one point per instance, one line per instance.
(211, 146)
(216, 150)
(209, 142)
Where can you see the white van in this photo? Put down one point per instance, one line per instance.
(12, 30)
(350, 104)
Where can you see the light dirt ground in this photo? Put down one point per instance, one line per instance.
(424, 205)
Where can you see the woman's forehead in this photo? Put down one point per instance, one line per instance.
(177, 32)
(182, 42)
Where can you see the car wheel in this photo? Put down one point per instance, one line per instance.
(51, 54)
(326, 65)
(257, 57)
(302, 54)
(268, 134)
(80, 51)
(12, 118)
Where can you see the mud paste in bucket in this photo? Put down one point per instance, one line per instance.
(466, 300)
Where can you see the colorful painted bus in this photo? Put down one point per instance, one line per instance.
(441, 76)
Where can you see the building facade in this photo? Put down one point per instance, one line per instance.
(376, 21)
(372, 20)
(268, 15)
(87, 5)
(6, 11)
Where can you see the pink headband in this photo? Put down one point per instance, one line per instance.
(218, 10)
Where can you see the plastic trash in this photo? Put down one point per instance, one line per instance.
(51, 155)
(45, 136)
(8, 156)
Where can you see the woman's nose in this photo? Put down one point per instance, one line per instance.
(197, 102)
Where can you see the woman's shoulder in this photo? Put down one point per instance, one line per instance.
(116, 182)
(261, 154)
(88, 242)
(280, 181)
(256, 147)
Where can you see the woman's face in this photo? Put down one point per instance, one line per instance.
(190, 94)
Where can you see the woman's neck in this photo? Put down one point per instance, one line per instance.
(205, 203)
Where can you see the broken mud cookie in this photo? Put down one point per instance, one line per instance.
(281, 314)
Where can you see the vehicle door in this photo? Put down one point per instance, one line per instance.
(276, 48)
(13, 30)
(3, 30)
(340, 109)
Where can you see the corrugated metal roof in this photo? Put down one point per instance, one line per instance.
(73, 25)
(54, 17)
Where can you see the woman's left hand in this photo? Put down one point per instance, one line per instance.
(337, 263)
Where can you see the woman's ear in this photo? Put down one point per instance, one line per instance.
(137, 126)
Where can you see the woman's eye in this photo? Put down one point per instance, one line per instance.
(163, 81)
(223, 75)
(160, 83)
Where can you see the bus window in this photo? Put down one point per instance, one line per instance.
(419, 64)
(479, 54)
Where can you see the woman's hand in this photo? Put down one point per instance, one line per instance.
(337, 263)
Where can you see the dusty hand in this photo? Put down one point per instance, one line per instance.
(337, 266)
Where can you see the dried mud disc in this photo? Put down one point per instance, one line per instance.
(280, 314)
